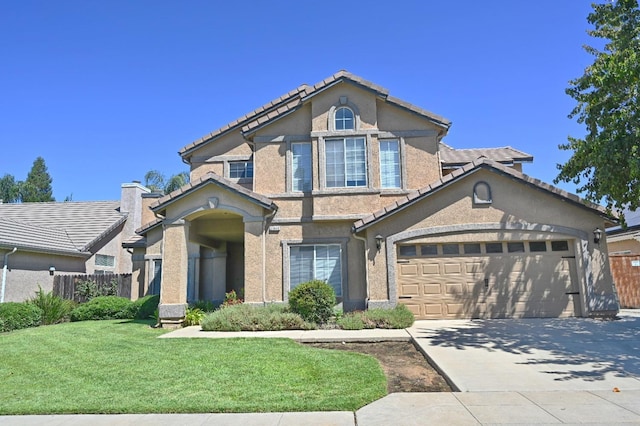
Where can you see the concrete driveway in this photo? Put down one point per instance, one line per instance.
(577, 354)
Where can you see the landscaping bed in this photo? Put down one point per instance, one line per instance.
(405, 367)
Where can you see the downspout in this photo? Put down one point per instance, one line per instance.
(264, 256)
(4, 272)
(366, 268)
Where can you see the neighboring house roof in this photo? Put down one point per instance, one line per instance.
(209, 178)
(295, 99)
(68, 227)
(621, 234)
(135, 241)
(451, 157)
(481, 163)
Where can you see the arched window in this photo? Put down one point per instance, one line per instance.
(344, 119)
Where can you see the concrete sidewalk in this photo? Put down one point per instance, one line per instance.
(455, 408)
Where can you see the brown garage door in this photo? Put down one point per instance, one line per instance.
(511, 279)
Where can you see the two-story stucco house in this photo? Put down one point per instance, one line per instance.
(342, 182)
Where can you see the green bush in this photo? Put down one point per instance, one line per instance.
(253, 318)
(104, 307)
(352, 321)
(54, 308)
(313, 301)
(89, 289)
(14, 316)
(193, 317)
(146, 306)
(204, 305)
(396, 318)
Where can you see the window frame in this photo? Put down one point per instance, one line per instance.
(336, 119)
(314, 274)
(245, 177)
(292, 184)
(346, 164)
(398, 162)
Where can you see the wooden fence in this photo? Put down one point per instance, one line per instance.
(65, 285)
(625, 269)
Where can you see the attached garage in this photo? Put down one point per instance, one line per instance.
(487, 241)
(497, 279)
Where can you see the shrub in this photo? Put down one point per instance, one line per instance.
(313, 301)
(351, 321)
(231, 299)
(253, 318)
(104, 307)
(193, 317)
(398, 317)
(88, 289)
(14, 316)
(145, 306)
(54, 308)
(204, 305)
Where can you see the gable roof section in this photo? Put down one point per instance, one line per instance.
(458, 174)
(209, 178)
(451, 157)
(69, 227)
(295, 99)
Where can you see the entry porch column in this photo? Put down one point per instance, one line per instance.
(175, 270)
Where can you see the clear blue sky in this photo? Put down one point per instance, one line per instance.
(107, 90)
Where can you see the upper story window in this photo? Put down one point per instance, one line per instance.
(344, 119)
(241, 169)
(301, 167)
(105, 260)
(345, 162)
(390, 164)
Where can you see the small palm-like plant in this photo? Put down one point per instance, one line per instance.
(54, 308)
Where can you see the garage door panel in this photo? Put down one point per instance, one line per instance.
(489, 285)
(452, 268)
(431, 269)
(432, 289)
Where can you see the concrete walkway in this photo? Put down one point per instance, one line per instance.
(537, 371)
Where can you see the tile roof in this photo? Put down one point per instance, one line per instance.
(294, 99)
(458, 157)
(208, 178)
(69, 227)
(481, 163)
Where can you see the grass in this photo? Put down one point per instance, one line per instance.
(120, 366)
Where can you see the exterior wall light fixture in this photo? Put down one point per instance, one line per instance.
(52, 269)
(597, 235)
(379, 239)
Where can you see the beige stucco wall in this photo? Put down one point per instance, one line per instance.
(512, 203)
(365, 101)
(620, 246)
(28, 270)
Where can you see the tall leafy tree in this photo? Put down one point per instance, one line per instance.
(37, 186)
(9, 189)
(157, 182)
(606, 163)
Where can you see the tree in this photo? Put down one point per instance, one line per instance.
(607, 161)
(37, 186)
(157, 182)
(9, 189)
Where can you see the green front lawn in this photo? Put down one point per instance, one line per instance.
(121, 367)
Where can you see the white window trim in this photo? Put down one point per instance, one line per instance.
(289, 171)
(400, 164)
(286, 264)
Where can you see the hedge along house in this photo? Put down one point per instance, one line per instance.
(342, 182)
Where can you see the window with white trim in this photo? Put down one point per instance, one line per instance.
(345, 162)
(105, 260)
(241, 169)
(300, 167)
(344, 119)
(316, 262)
(390, 164)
